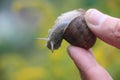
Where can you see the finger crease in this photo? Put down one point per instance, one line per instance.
(116, 30)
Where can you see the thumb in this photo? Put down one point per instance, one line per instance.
(105, 27)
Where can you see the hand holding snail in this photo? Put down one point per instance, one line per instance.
(107, 29)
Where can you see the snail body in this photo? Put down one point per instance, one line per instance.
(72, 27)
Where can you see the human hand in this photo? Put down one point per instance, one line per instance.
(106, 28)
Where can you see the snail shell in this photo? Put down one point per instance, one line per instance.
(72, 27)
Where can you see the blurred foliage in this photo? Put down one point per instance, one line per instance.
(22, 57)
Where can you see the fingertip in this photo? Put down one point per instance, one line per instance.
(70, 49)
(82, 58)
(94, 17)
(73, 50)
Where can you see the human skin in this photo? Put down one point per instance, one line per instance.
(107, 29)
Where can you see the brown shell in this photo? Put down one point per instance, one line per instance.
(78, 33)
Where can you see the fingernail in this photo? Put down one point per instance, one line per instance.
(95, 17)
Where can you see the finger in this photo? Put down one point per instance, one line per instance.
(103, 26)
(82, 58)
(87, 64)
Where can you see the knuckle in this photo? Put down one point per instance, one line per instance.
(116, 30)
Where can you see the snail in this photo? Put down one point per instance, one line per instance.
(72, 27)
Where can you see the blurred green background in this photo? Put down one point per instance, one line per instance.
(22, 57)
